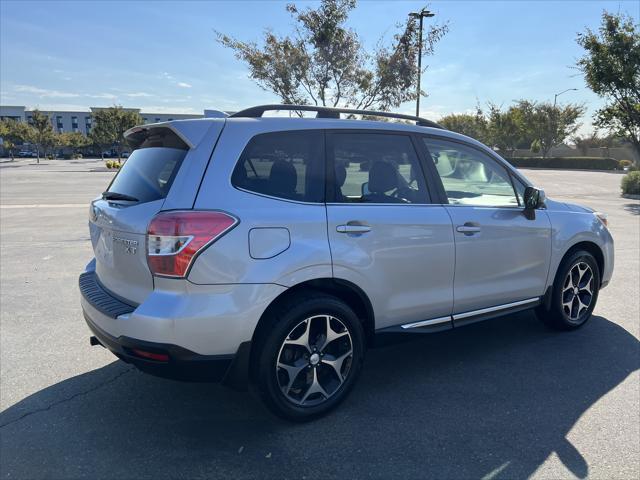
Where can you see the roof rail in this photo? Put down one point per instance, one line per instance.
(331, 112)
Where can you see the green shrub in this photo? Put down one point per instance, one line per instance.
(624, 163)
(631, 183)
(109, 164)
(587, 163)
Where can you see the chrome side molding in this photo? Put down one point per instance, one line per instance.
(426, 323)
(497, 308)
(473, 313)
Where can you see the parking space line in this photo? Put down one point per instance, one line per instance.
(46, 205)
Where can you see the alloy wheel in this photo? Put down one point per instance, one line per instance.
(577, 291)
(314, 360)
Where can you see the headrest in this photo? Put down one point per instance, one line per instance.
(283, 177)
(341, 174)
(382, 177)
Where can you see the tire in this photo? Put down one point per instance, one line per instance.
(283, 354)
(569, 310)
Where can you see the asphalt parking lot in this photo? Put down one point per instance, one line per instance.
(505, 398)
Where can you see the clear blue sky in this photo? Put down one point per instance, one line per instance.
(162, 56)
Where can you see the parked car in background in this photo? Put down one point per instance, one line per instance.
(274, 251)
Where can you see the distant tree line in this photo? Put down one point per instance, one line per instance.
(524, 125)
(109, 125)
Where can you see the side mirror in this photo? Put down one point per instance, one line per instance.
(533, 198)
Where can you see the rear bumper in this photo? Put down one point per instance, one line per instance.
(124, 329)
(205, 319)
(181, 364)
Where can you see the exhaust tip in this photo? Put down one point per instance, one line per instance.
(93, 341)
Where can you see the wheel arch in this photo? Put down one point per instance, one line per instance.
(346, 291)
(591, 247)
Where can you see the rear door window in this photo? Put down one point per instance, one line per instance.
(288, 165)
(376, 168)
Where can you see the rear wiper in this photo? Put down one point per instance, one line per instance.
(118, 196)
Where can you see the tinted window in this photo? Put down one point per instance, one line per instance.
(376, 168)
(284, 164)
(148, 173)
(471, 177)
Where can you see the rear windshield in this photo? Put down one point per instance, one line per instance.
(148, 173)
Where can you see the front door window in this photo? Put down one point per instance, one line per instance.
(471, 177)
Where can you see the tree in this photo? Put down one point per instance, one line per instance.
(506, 129)
(41, 132)
(324, 63)
(474, 126)
(110, 125)
(549, 124)
(74, 140)
(13, 133)
(611, 68)
(585, 142)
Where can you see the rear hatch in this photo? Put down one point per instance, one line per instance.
(118, 221)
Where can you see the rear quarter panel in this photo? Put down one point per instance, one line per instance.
(229, 259)
(185, 186)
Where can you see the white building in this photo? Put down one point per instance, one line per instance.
(80, 121)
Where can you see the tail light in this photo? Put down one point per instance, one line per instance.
(174, 239)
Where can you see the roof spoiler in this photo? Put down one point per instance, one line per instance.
(191, 132)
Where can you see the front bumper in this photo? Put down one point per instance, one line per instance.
(609, 259)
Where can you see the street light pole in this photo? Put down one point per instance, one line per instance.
(419, 68)
(421, 15)
(555, 97)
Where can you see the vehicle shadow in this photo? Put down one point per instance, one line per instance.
(493, 399)
(633, 208)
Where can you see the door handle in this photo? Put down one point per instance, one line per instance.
(349, 228)
(468, 228)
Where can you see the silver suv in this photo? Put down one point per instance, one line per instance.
(271, 252)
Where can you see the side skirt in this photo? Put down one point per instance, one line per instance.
(460, 319)
(474, 316)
